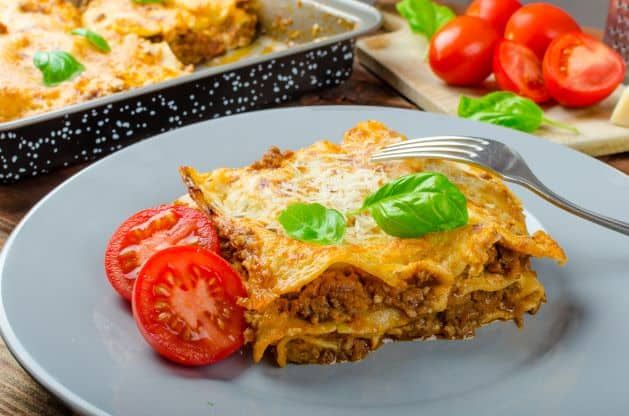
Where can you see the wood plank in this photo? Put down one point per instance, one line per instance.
(398, 57)
(20, 394)
(16, 200)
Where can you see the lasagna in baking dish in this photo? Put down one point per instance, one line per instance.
(313, 303)
(147, 42)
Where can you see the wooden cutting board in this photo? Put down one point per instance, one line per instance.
(398, 57)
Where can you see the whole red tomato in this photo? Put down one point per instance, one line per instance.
(537, 24)
(461, 52)
(580, 70)
(496, 12)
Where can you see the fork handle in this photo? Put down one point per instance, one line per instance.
(546, 193)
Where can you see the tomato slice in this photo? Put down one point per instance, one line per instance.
(149, 231)
(518, 69)
(184, 303)
(579, 70)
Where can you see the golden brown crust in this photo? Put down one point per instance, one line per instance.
(272, 159)
(49, 15)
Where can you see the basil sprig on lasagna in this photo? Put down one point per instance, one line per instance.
(408, 207)
(417, 204)
(313, 222)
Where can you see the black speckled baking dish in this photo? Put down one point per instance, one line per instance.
(322, 31)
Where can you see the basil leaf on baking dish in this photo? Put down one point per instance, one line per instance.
(313, 223)
(57, 66)
(417, 204)
(94, 38)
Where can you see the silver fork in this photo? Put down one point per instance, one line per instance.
(494, 156)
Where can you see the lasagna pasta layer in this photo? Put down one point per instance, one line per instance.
(313, 303)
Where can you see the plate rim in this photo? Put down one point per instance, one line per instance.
(73, 400)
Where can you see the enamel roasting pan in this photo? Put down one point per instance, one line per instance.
(82, 132)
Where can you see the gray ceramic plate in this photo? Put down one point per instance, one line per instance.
(71, 332)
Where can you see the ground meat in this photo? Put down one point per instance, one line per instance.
(410, 298)
(271, 159)
(349, 349)
(193, 47)
(339, 295)
(457, 322)
(461, 319)
(502, 260)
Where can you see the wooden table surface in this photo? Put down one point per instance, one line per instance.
(19, 393)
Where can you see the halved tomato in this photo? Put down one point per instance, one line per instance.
(148, 232)
(518, 69)
(580, 70)
(185, 304)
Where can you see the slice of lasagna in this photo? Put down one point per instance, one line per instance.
(310, 303)
(196, 30)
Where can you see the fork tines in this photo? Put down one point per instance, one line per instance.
(446, 147)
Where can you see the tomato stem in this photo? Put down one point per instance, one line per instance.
(560, 125)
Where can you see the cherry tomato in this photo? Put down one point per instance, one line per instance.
(535, 25)
(461, 52)
(184, 303)
(518, 69)
(149, 231)
(580, 70)
(496, 12)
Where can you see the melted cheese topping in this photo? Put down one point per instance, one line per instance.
(244, 204)
(23, 15)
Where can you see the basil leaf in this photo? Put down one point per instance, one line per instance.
(509, 110)
(417, 204)
(94, 38)
(424, 16)
(57, 66)
(313, 223)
